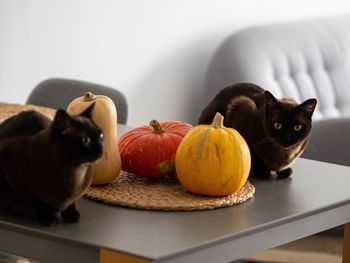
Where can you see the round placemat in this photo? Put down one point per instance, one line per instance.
(165, 193)
(138, 192)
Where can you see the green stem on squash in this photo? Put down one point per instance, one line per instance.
(89, 97)
(218, 121)
(156, 126)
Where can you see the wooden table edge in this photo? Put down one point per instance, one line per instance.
(346, 243)
(109, 256)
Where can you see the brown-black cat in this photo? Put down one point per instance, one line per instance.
(276, 131)
(45, 165)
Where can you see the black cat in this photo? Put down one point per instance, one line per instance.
(45, 165)
(277, 131)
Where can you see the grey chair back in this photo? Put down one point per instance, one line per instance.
(57, 93)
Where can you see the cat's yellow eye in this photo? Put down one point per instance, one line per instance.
(86, 141)
(298, 127)
(277, 125)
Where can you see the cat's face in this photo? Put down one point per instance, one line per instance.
(287, 122)
(79, 136)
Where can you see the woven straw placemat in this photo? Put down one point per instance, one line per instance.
(165, 193)
(138, 192)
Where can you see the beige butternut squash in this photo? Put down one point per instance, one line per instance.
(104, 114)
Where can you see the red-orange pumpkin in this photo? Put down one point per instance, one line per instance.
(150, 150)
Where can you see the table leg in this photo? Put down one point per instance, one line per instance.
(346, 244)
(108, 256)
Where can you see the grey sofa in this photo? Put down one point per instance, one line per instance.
(302, 59)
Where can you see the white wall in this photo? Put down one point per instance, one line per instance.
(155, 51)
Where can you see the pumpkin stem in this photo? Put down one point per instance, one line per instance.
(218, 121)
(156, 126)
(89, 97)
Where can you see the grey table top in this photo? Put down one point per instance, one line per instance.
(317, 197)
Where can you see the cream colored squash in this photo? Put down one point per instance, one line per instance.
(104, 114)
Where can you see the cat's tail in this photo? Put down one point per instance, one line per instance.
(241, 105)
(208, 113)
(237, 108)
(240, 110)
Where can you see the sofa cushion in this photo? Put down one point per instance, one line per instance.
(297, 59)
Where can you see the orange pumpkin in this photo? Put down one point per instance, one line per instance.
(150, 150)
(213, 160)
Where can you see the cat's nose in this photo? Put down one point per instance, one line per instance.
(287, 137)
(287, 141)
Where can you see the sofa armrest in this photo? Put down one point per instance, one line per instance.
(330, 141)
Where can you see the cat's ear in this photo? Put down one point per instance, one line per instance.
(271, 102)
(88, 111)
(61, 121)
(308, 107)
(269, 98)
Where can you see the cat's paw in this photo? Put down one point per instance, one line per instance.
(70, 215)
(262, 174)
(284, 173)
(49, 219)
